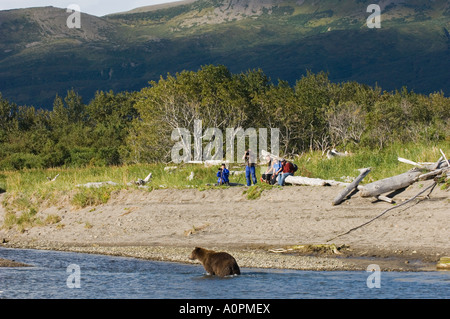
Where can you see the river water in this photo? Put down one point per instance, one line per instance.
(63, 275)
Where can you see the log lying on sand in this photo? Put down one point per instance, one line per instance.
(340, 198)
(390, 184)
(300, 180)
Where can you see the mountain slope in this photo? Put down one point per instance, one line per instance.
(40, 56)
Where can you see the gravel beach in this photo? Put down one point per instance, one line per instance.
(288, 228)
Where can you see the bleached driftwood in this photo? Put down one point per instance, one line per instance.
(210, 163)
(52, 179)
(387, 210)
(195, 162)
(385, 199)
(441, 163)
(445, 157)
(407, 161)
(97, 185)
(390, 184)
(333, 153)
(142, 182)
(351, 186)
(436, 166)
(300, 180)
(432, 174)
(264, 154)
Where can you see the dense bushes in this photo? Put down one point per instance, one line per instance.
(315, 114)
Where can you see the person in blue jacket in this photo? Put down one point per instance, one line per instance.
(223, 175)
(250, 167)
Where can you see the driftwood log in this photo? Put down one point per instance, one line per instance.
(340, 198)
(390, 184)
(334, 153)
(97, 184)
(300, 180)
(441, 163)
(445, 157)
(52, 179)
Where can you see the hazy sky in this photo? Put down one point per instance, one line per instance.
(95, 7)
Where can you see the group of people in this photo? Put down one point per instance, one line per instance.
(277, 171)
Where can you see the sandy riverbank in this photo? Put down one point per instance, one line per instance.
(167, 224)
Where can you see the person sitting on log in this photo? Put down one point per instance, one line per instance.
(267, 176)
(277, 168)
(286, 170)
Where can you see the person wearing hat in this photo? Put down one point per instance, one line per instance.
(223, 175)
(287, 169)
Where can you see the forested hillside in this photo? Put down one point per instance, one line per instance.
(41, 57)
(135, 127)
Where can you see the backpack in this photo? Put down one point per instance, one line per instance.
(294, 167)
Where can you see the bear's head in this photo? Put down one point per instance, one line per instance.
(196, 253)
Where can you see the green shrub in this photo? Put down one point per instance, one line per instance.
(91, 197)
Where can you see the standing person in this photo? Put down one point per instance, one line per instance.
(250, 169)
(287, 170)
(223, 175)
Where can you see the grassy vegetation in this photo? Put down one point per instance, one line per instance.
(30, 189)
(384, 163)
(255, 191)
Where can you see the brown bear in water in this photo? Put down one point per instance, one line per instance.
(216, 263)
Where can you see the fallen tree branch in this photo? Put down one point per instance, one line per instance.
(389, 184)
(387, 210)
(407, 161)
(97, 184)
(52, 179)
(385, 199)
(448, 163)
(340, 198)
(431, 174)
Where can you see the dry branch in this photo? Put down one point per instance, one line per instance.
(351, 187)
(448, 163)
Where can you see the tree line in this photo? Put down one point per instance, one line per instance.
(135, 127)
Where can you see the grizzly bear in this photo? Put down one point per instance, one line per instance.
(216, 263)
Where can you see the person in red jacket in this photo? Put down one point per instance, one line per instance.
(287, 169)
